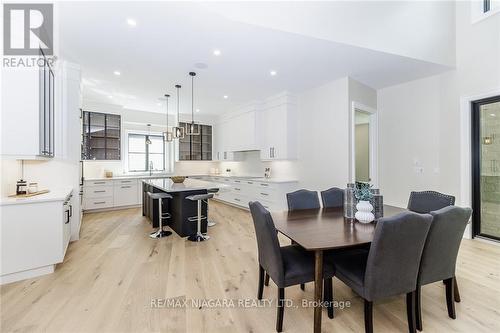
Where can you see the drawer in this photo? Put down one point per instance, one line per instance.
(97, 191)
(119, 182)
(125, 195)
(96, 203)
(106, 182)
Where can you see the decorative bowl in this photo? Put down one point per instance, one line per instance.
(178, 179)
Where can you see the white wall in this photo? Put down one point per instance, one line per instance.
(417, 29)
(421, 119)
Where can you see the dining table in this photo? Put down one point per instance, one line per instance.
(323, 229)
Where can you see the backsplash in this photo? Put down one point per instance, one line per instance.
(251, 165)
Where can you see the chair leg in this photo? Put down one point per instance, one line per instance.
(450, 302)
(457, 293)
(261, 282)
(418, 308)
(280, 309)
(368, 316)
(302, 286)
(410, 311)
(328, 296)
(266, 281)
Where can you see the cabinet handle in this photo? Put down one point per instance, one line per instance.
(270, 154)
(264, 184)
(70, 210)
(67, 217)
(236, 199)
(237, 189)
(250, 183)
(264, 193)
(126, 186)
(100, 191)
(97, 183)
(99, 202)
(126, 181)
(237, 181)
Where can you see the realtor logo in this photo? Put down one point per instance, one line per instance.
(27, 28)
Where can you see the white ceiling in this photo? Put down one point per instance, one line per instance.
(170, 38)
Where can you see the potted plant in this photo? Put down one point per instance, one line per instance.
(364, 208)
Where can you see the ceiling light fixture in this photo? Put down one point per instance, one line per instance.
(178, 131)
(493, 115)
(131, 22)
(168, 135)
(148, 140)
(192, 128)
(273, 73)
(225, 96)
(217, 53)
(109, 96)
(117, 73)
(197, 110)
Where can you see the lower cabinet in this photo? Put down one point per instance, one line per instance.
(34, 237)
(240, 191)
(109, 193)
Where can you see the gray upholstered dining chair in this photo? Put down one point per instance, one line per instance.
(427, 201)
(333, 197)
(289, 265)
(391, 266)
(302, 199)
(440, 254)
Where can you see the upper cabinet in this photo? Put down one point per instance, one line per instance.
(29, 105)
(196, 147)
(270, 127)
(101, 136)
(278, 128)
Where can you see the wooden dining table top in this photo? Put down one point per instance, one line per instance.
(326, 228)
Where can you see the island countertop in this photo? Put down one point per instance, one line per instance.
(189, 184)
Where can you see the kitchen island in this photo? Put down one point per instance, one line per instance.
(179, 207)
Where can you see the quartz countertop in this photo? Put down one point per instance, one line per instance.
(167, 185)
(256, 179)
(59, 194)
(160, 176)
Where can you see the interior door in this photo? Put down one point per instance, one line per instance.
(486, 168)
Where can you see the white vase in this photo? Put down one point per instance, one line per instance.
(364, 213)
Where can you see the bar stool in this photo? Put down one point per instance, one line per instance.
(199, 237)
(211, 223)
(160, 233)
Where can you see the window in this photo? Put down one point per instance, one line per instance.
(144, 157)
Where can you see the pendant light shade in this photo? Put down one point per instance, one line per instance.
(192, 128)
(178, 131)
(148, 139)
(168, 135)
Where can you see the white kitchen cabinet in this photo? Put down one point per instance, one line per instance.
(35, 235)
(125, 192)
(240, 191)
(28, 121)
(111, 193)
(278, 128)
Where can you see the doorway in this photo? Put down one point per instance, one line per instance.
(364, 144)
(486, 168)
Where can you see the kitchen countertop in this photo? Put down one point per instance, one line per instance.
(168, 185)
(54, 195)
(160, 176)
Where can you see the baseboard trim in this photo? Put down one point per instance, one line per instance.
(110, 209)
(23, 275)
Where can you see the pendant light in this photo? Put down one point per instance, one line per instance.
(178, 131)
(192, 128)
(168, 133)
(148, 140)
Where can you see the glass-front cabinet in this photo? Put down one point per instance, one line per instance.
(101, 136)
(196, 147)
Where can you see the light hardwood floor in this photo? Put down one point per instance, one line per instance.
(109, 277)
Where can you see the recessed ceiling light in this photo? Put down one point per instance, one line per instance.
(159, 104)
(225, 96)
(117, 73)
(493, 115)
(131, 22)
(273, 73)
(197, 110)
(217, 53)
(109, 96)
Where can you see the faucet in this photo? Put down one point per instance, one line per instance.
(150, 168)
